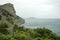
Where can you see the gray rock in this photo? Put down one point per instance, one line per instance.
(8, 16)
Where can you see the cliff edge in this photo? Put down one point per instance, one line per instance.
(8, 16)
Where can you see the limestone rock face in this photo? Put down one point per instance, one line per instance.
(9, 7)
(8, 16)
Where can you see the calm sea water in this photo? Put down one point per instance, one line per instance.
(52, 24)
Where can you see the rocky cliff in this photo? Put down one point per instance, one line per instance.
(8, 16)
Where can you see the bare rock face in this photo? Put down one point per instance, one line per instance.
(8, 16)
(9, 7)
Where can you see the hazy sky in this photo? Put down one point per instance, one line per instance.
(36, 8)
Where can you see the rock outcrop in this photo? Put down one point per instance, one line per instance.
(8, 16)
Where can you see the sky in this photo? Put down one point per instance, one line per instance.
(36, 8)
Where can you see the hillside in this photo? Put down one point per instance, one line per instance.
(9, 17)
(10, 28)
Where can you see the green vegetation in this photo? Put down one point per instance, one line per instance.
(0, 17)
(3, 28)
(21, 33)
(3, 25)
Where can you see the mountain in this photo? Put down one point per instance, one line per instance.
(9, 17)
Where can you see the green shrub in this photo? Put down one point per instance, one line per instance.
(21, 33)
(4, 31)
(3, 28)
(4, 37)
(3, 25)
(0, 17)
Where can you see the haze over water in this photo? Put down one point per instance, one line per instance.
(52, 24)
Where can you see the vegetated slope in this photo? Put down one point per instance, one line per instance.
(9, 17)
(9, 20)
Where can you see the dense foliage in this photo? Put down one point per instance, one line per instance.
(21, 33)
(0, 17)
(3, 28)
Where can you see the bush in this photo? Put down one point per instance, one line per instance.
(0, 17)
(3, 28)
(3, 25)
(5, 37)
(21, 33)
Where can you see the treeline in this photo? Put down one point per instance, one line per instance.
(21, 33)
